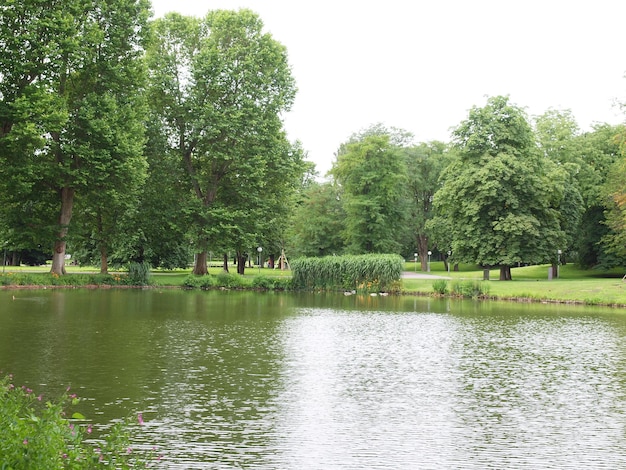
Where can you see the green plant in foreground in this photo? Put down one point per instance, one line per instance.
(37, 434)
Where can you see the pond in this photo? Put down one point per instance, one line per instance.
(309, 381)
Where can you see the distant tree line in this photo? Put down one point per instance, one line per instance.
(507, 190)
(126, 139)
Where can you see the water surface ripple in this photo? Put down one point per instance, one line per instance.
(233, 380)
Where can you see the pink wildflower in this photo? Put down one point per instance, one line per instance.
(25, 442)
(89, 429)
(140, 419)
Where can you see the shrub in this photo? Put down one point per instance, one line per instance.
(139, 274)
(440, 286)
(230, 281)
(263, 282)
(470, 289)
(271, 283)
(36, 434)
(106, 279)
(198, 282)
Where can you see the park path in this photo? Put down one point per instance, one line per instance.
(419, 275)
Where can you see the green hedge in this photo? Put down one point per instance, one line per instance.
(363, 273)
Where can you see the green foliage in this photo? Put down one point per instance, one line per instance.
(231, 281)
(470, 289)
(425, 163)
(371, 273)
(270, 283)
(318, 222)
(71, 113)
(497, 201)
(36, 433)
(199, 282)
(139, 274)
(224, 123)
(440, 286)
(372, 173)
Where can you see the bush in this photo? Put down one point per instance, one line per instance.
(37, 434)
(470, 289)
(198, 282)
(139, 274)
(366, 273)
(271, 283)
(230, 281)
(440, 286)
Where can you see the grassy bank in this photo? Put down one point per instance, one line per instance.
(529, 283)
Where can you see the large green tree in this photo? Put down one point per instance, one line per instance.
(318, 222)
(372, 175)
(557, 135)
(497, 197)
(220, 85)
(425, 162)
(70, 90)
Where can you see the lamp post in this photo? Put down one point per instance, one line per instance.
(558, 262)
(429, 253)
(449, 253)
(415, 260)
(259, 250)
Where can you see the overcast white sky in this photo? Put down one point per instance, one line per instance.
(421, 65)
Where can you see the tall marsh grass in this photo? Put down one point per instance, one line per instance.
(364, 273)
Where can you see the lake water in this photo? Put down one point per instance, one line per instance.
(284, 381)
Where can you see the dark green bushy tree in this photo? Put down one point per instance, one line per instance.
(497, 198)
(372, 175)
(70, 107)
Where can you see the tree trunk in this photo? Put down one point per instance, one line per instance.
(58, 255)
(422, 250)
(555, 271)
(225, 262)
(104, 261)
(505, 273)
(241, 263)
(485, 273)
(200, 264)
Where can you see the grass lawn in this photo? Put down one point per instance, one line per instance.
(531, 282)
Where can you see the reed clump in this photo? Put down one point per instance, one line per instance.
(363, 273)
